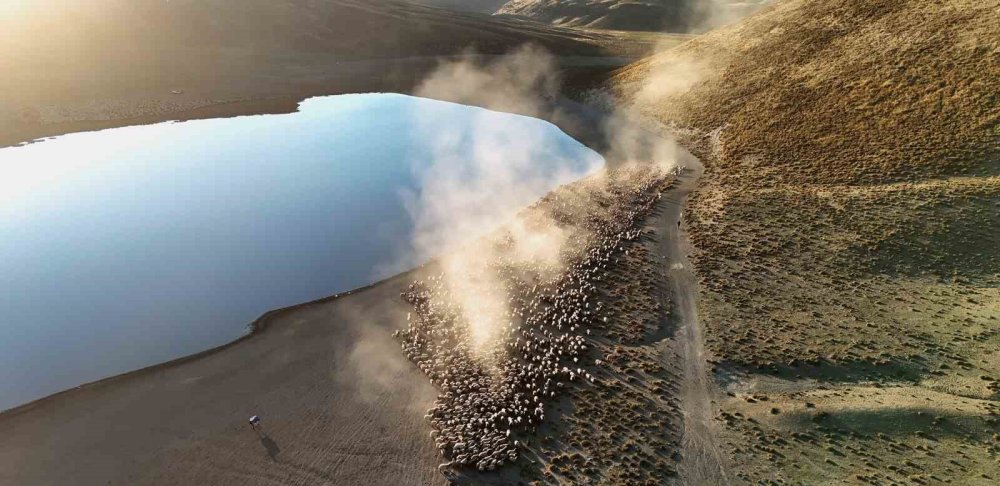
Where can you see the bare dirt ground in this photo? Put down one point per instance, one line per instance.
(703, 462)
(339, 405)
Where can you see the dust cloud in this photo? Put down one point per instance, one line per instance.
(675, 71)
(463, 199)
(466, 204)
(374, 368)
(706, 15)
(524, 81)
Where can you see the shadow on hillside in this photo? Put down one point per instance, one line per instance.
(929, 423)
(836, 372)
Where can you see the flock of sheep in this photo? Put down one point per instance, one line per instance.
(492, 393)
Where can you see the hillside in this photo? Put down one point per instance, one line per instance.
(676, 16)
(479, 6)
(128, 59)
(844, 233)
(838, 255)
(666, 15)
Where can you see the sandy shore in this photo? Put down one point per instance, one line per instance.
(339, 403)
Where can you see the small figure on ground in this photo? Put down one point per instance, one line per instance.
(270, 446)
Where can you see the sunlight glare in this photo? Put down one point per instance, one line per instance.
(11, 7)
(28, 170)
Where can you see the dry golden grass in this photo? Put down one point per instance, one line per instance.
(842, 91)
(844, 233)
(862, 434)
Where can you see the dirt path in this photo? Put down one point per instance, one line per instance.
(703, 462)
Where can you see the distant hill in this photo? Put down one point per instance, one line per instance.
(114, 59)
(347, 28)
(480, 6)
(676, 16)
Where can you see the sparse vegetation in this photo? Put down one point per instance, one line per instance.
(843, 236)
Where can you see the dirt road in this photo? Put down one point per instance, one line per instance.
(702, 462)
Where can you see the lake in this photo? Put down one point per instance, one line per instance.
(127, 247)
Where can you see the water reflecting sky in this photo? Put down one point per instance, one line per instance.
(131, 246)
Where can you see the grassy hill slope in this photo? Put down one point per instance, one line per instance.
(861, 91)
(845, 233)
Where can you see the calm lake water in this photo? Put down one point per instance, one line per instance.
(131, 246)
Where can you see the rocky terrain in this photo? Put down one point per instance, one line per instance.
(843, 234)
(661, 15)
(480, 6)
(676, 16)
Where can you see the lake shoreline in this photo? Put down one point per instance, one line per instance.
(255, 328)
(300, 202)
(298, 365)
(579, 72)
